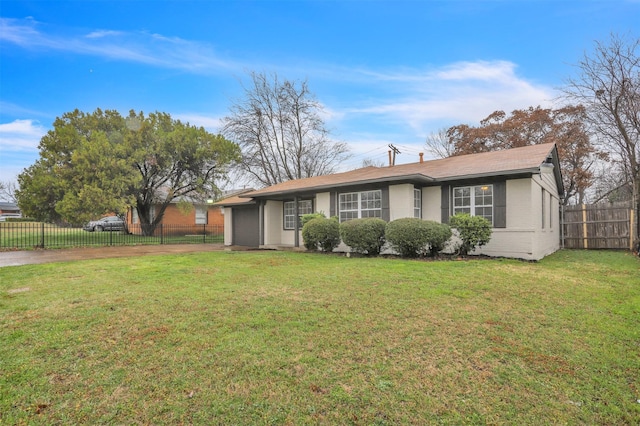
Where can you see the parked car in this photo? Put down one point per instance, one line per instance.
(109, 223)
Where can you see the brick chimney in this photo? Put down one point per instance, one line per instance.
(421, 157)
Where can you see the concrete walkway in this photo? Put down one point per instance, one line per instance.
(28, 257)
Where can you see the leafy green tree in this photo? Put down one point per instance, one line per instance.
(173, 159)
(92, 164)
(83, 166)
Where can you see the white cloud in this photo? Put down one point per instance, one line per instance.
(481, 70)
(21, 135)
(103, 33)
(19, 32)
(211, 124)
(395, 105)
(458, 93)
(141, 47)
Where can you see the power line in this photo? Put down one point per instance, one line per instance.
(395, 151)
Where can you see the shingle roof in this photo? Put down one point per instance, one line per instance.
(513, 161)
(234, 201)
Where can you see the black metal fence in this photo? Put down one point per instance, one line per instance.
(28, 235)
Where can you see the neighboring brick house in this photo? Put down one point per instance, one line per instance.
(518, 190)
(11, 208)
(200, 213)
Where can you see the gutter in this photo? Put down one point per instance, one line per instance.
(532, 170)
(413, 177)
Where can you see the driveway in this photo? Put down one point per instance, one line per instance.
(28, 257)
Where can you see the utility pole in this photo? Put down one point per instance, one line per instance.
(395, 151)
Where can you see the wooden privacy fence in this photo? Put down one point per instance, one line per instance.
(595, 226)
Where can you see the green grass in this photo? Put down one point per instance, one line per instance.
(296, 338)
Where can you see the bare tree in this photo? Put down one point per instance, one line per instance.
(279, 127)
(608, 85)
(439, 144)
(611, 185)
(370, 162)
(8, 191)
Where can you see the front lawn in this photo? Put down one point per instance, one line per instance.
(296, 338)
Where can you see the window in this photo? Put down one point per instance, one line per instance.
(304, 207)
(474, 200)
(417, 203)
(201, 215)
(135, 218)
(354, 205)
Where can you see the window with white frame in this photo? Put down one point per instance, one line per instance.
(201, 215)
(474, 200)
(417, 203)
(354, 205)
(304, 207)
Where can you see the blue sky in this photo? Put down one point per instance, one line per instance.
(385, 71)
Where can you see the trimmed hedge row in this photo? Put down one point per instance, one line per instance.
(413, 237)
(410, 237)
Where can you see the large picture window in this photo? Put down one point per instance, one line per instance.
(304, 207)
(355, 205)
(474, 200)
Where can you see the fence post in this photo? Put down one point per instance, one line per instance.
(562, 225)
(204, 233)
(585, 240)
(161, 234)
(41, 234)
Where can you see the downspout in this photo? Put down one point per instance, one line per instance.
(297, 225)
(260, 223)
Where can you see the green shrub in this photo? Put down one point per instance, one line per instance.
(310, 216)
(474, 231)
(20, 219)
(437, 236)
(412, 237)
(321, 233)
(364, 236)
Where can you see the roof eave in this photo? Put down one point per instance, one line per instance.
(221, 203)
(528, 171)
(319, 188)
